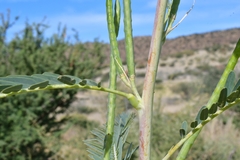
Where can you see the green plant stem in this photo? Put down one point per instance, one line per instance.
(213, 99)
(65, 86)
(145, 113)
(111, 110)
(114, 44)
(129, 45)
(198, 129)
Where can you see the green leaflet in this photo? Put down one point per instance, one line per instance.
(14, 88)
(39, 85)
(67, 80)
(222, 98)
(198, 118)
(213, 108)
(237, 86)
(204, 114)
(194, 124)
(233, 96)
(183, 130)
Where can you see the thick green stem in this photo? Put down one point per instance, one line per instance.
(128, 37)
(145, 114)
(114, 44)
(111, 110)
(129, 45)
(214, 98)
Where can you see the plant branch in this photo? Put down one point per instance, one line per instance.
(114, 44)
(197, 129)
(145, 114)
(129, 45)
(111, 110)
(214, 98)
(65, 86)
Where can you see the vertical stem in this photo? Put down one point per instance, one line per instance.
(111, 110)
(129, 45)
(114, 44)
(145, 114)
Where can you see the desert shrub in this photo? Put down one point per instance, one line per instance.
(236, 117)
(210, 79)
(187, 90)
(71, 141)
(30, 122)
(183, 53)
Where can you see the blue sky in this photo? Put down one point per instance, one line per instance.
(88, 16)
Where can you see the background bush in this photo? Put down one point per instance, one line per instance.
(29, 124)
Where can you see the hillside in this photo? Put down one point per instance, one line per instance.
(181, 44)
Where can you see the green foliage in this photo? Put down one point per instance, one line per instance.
(183, 53)
(22, 83)
(71, 142)
(30, 127)
(96, 146)
(227, 95)
(187, 90)
(165, 134)
(204, 116)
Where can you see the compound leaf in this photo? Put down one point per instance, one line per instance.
(16, 84)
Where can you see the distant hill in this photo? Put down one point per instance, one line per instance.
(181, 44)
